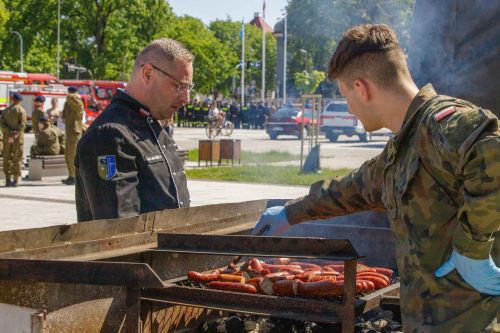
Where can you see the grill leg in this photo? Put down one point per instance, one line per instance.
(133, 303)
(349, 298)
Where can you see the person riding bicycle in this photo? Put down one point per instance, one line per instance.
(215, 116)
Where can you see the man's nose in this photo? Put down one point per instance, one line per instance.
(184, 97)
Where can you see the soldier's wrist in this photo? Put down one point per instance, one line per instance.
(464, 244)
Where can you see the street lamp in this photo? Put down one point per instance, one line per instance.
(21, 48)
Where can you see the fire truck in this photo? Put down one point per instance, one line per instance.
(12, 81)
(101, 91)
(59, 93)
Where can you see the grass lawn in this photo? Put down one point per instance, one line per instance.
(255, 158)
(263, 174)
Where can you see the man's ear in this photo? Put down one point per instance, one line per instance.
(146, 72)
(362, 89)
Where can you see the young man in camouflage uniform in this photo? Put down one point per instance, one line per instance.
(12, 124)
(47, 142)
(72, 115)
(37, 114)
(438, 179)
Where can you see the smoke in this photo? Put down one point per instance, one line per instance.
(454, 45)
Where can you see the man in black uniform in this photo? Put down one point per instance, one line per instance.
(126, 163)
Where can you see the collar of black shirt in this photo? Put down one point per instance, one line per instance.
(122, 96)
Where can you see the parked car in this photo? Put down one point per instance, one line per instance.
(336, 120)
(287, 121)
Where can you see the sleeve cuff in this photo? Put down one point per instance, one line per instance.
(295, 212)
(466, 246)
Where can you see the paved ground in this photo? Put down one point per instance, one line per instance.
(37, 204)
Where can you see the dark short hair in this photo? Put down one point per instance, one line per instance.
(369, 50)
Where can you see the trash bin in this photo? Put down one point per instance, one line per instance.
(208, 150)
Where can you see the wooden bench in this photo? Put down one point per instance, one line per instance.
(46, 165)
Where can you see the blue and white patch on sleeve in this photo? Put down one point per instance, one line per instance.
(106, 166)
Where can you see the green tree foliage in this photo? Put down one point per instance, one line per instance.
(229, 33)
(308, 82)
(317, 25)
(4, 16)
(213, 59)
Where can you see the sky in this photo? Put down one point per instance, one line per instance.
(210, 10)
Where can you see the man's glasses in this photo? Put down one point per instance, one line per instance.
(182, 87)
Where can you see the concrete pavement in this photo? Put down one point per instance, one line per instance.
(49, 202)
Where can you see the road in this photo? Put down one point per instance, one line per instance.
(348, 152)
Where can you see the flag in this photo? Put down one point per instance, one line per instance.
(264, 9)
(242, 31)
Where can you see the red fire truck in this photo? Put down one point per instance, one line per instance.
(12, 80)
(59, 93)
(101, 91)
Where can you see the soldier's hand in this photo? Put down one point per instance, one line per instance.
(482, 275)
(274, 219)
(11, 139)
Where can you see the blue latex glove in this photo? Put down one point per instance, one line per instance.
(275, 218)
(481, 275)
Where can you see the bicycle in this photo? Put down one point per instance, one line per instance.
(213, 129)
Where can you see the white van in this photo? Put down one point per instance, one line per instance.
(336, 120)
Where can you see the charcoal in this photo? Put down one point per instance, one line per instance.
(235, 325)
(250, 325)
(380, 324)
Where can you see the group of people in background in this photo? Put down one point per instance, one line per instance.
(250, 116)
(49, 138)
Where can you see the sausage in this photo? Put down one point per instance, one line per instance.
(285, 288)
(305, 265)
(313, 278)
(256, 283)
(277, 268)
(377, 281)
(319, 289)
(383, 277)
(256, 264)
(233, 286)
(385, 271)
(329, 269)
(203, 277)
(369, 286)
(277, 276)
(231, 278)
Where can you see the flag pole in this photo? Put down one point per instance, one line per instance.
(242, 36)
(284, 61)
(263, 88)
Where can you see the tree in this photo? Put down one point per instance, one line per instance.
(317, 25)
(308, 82)
(228, 32)
(213, 60)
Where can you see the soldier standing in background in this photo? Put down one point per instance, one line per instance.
(12, 124)
(438, 179)
(72, 116)
(37, 114)
(47, 142)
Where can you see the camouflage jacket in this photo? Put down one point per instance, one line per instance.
(438, 179)
(13, 120)
(48, 140)
(35, 119)
(72, 114)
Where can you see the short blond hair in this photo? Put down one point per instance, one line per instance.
(161, 50)
(369, 50)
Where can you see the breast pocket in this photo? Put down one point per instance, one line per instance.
(424, 204)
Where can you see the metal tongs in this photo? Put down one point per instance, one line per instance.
(236, 259)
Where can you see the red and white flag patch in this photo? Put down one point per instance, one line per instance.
(443, 113)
